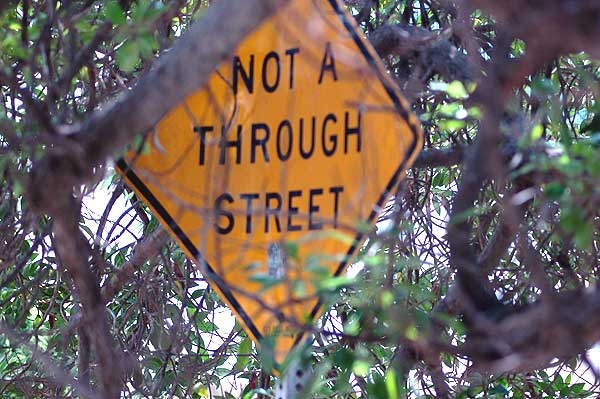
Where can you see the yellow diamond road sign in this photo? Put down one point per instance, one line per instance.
(268, 176)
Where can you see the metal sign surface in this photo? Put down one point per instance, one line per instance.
(269, 175)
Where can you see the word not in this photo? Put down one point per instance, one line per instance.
(271, 70)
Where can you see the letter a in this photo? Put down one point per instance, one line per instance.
(328, 63)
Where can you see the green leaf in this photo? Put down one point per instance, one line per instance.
(554, 191)
(387, 299)
(128, 56)
(592, 126)
(146, 10)
(457, 90)
(266, 352)
(558, 381)
(352, 326)
(536, 133)
(244, 351)
(207, 326)
(89, 231)
(153, 363)
(412, 333)
(114, 13)
(454, 89)
(543, 87)
(291, 249)
(334, 283)
(343, 358)
(475, 112)
(440, 178)
(452, 125)
(584, 236)
(265, 280)
(147, 45)
(378, 389)
(391, 383)
(578, 388)
(572, 219)
(565, 135)
(361, 367)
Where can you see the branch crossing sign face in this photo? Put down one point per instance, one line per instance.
(269, 175)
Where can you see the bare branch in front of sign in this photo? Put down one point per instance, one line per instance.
(72, 158)
(182, 70)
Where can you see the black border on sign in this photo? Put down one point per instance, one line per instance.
(399, 104)
(206, 268)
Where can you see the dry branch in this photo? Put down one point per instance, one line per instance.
(70, 162)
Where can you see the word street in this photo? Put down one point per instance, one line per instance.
(280, 212)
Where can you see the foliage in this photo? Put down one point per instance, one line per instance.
(397, 327)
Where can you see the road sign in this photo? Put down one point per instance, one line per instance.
(268, 176)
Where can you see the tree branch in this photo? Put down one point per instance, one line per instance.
(531, 339)
(143, 251)
(443, 157)
(74, 252)
(70, 162)
(179, 73)
(433, 51)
